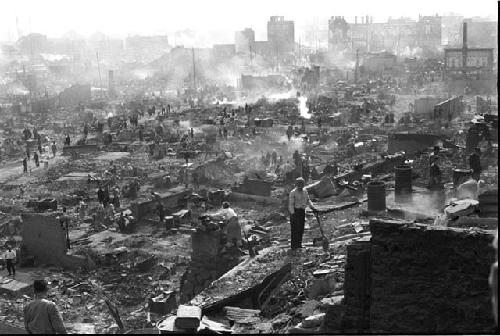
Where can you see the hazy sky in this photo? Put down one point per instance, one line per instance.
(120, 18)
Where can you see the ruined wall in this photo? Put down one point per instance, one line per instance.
(382, 167)
(45, 239)
(171, 200)
(208, 263)
(478, 86)
(357, 287)
(80, 149)
(429, 280)
(254, 187)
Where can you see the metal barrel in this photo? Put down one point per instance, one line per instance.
(458, 174)
(402, 188)
(376, 196)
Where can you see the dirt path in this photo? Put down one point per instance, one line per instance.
(14, 170)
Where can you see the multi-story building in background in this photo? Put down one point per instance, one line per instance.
(429, 34)
(281, 35)
(147, 43)
(244, 41)
(338, 34)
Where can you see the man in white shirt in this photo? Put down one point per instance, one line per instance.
(233, 228)
(10, 259)
(298, 201)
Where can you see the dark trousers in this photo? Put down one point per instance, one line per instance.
(297, 221)
(10, 267)
(476, 174)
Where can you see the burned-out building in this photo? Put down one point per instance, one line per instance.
(379, 62)
(429, 34)
(244, 41)
(281, 35)
(338, 38)
(465, 62)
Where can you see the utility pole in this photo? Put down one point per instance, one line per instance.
(251, 56)
(194, 71)
(99, 69)
(299, 54)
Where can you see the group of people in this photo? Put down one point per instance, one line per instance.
(106, 209)
(270, 159)
(40, 150)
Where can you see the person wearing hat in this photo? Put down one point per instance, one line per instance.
(10, 260)
(41, 315)
(233, 228)
(298, 201)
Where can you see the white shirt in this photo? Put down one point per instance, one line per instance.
(9, 255)
(298, 200)
(227, 213)
(468, 189)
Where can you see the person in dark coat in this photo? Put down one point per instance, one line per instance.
(100, 195)
(475, 164)
(25, 165)
(35, 157)
(106, 199)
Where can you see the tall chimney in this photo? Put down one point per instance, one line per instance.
(355, 20)
(464, 48)
(464, 33)
(111, 83)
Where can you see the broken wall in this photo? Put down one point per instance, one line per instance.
(420, 279)
(412, 143)
(80, 149)
(382, 167)
(254, 187)
(45, 239)
(357, 287)
(170, 201)
(208, 263)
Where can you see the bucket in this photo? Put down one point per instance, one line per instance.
(402, 189)
(376, 196)
(458, 174)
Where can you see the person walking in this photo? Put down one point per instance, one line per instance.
(54, 148)
(10, 261)
(25, 165)
(41, 315)
(475, 164)
(298, 201)
(37, 160)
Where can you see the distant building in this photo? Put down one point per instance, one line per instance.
(429, 34)
(224, 50)
(105, 45)
(262, 83)
(75, 95)
(379, 62)
(451, 30)
(465, 61)
(33, 44)
(144, 43)
(281, 35)
(338, 30)
(244, 41)
(360, 34)
(399, 36)
(262, 48)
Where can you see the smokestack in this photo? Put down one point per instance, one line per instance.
(355, 20)
(362, 20)
(111, 83)
(464, 43)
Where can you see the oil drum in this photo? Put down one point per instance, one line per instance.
(376, 196)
